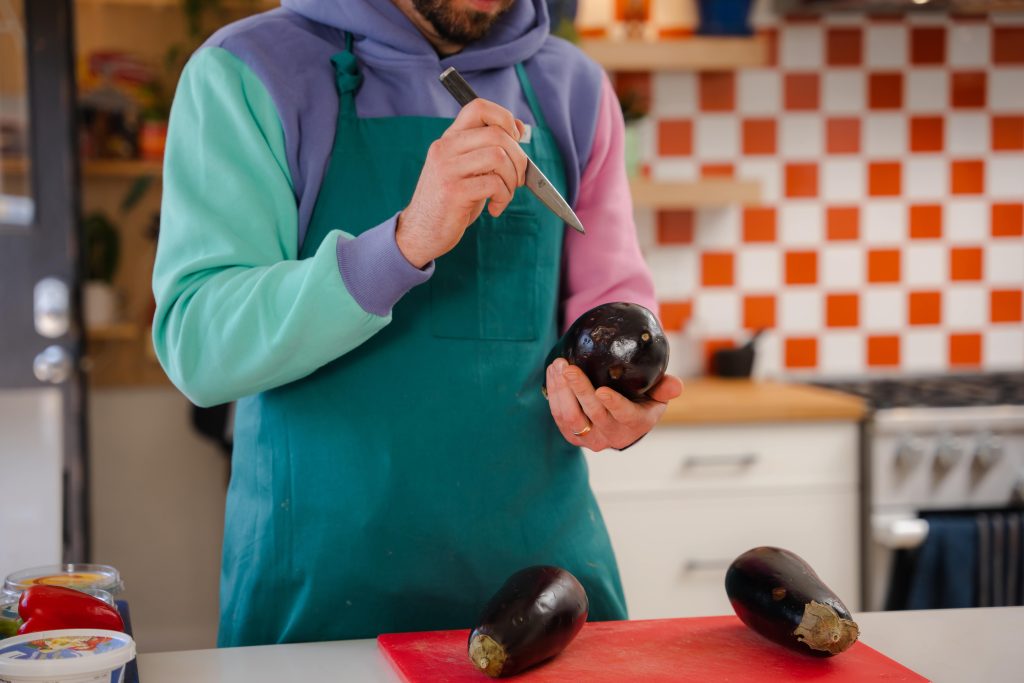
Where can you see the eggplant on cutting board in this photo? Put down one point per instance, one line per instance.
(777, 594)
(532, 617)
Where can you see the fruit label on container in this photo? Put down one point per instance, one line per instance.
(60, 647)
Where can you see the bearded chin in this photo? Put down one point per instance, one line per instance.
(455, 26)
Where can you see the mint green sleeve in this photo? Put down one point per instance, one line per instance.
(236, 312)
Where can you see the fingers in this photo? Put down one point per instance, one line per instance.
(668, 388)
(618, 406)
(463, 142)
(487, 160)
(481, 112)
(565, 409)
(587, 398)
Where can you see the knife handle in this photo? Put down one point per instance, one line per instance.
(452, 80)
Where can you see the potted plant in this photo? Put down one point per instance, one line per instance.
(634, 110)
(102, 253)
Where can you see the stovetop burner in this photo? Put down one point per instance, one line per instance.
(1004, 388)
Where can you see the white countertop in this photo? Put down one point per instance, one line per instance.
(975, 645)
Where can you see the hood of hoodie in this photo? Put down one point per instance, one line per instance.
(386, 36)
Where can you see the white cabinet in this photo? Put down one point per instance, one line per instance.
(684, 502)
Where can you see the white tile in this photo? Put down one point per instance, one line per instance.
(1003, 349)
(675, 271)
(883, 222)
(800, 136)
(767, 172)
(759, 268)
(885, 46)
(883, 309)
(763, 14)
(968, 133)
(926, 177)
(964, 306)
(646, 232)
(841, 266)
(666, 169)
(718, 227)
(718, 312)
(716, 136)
(842, 179)
(967, 220)
(926, 90)
(923, 351)
(1005, 92)
(1004, 176)
(800, 311)
(801, 46)
(841, 353)
(768, 361)
(673, 94)
(968, 45)
(885, 135)
(924, 265)
(759, 91)
(1004, 263)
(801, 224)
(843, 91)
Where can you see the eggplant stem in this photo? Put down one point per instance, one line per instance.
(488, 655)
(822, 629)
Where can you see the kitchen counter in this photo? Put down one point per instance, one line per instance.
(708, 400)
(975, 645)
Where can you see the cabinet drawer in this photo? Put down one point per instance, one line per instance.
(731, 458)
(673, 553)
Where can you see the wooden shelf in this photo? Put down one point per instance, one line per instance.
(708, 192)
(115, 332)
(697, 53)
(96, 168)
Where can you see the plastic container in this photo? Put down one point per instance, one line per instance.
(9, 619)
(78, 576)
(78, 655)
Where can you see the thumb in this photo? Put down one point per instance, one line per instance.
(668, 388)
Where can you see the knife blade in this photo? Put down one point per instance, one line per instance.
(536, 181)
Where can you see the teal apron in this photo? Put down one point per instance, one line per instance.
(397, 487)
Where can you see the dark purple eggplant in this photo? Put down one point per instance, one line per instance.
(617, 345)
(778, 595)
(530, 619)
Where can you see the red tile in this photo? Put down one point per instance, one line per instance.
(885, 90)
(759, 136)
(771, 36)
(717, 91)
(1006, 306)
(965, 349)
(634, 87)
(965, 263)
(884, 265)
(675, 314)
(801, 91)
(1007, 220)
(759, 224)
(925, 308)
(717, 171)
(716, 269)
(1008, 133)
(926, 221)
(1008, 45)
(884, 178)
(927, 134)
(843, 222)
(843, 46)
(801, 267)
(842, 310)
(801, 180)
(675, 227)
(968, 89)
(759, 311)
(842, 136)
(967, 177)
(928, 45)
(801, 352)
(883, 351)
(675, 137)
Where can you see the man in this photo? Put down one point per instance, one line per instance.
(326, 259)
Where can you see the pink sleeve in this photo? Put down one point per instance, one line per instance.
(605, 264)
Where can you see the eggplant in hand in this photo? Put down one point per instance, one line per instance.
(530, 619)
(617, 345)
(777, 594)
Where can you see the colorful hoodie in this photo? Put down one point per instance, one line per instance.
(250, 136)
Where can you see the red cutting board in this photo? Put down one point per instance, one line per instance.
(658, 651)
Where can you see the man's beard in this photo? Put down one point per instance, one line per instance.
(458, 26)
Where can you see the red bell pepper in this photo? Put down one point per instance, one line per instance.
(44, 608)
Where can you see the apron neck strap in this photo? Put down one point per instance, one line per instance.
(531, 96)
(347, 77)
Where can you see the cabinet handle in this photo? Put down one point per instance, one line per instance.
(706, 565)
(722, 460)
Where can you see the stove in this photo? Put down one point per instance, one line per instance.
(1005, 388)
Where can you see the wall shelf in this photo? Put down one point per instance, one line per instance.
(115, 332)
(697, 53)
(707, 192)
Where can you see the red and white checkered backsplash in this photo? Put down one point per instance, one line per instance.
(891, 234)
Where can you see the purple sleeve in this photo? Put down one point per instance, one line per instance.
(605, 264)
(375, 271)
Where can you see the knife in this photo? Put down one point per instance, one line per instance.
(537, 183)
